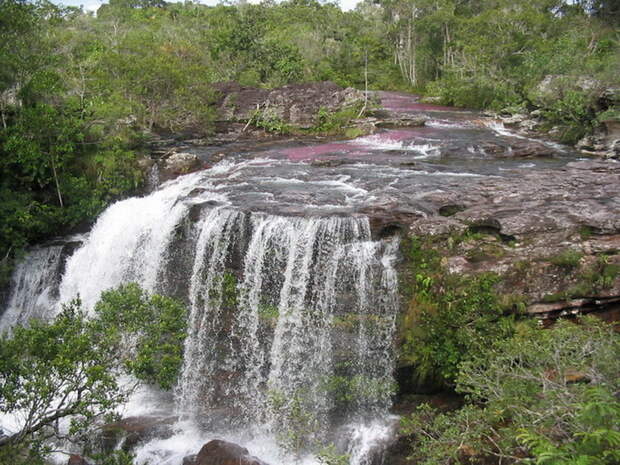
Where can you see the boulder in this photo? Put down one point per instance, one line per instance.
(219, 452)
(521, 122)
(295, 104)
(130, 431)
(178, 163)
(75, 459)
(181, 162)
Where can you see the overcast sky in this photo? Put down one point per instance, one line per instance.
(94, 4)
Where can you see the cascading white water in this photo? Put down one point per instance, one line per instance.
(33, 286)
(304, 282)
(197, 385)
(290, 318)
(127, 244)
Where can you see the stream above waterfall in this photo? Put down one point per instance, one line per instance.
(287, 260)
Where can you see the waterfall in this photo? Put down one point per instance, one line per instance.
(34, 286)
(127, 244)
(261, 343)
(291, 318)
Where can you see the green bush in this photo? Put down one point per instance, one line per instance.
(568, 259)
(51, 371)
(327, 122)
(154, 327)
(476, 92)
(67, 369)
(451, 317)
(544, 396)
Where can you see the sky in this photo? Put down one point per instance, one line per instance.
(92, 5)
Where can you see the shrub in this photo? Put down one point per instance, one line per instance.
(155, 325)
(451, 317)
(547, 394)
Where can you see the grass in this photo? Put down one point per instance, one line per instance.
(568, 259)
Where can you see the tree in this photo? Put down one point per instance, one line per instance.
(152, 328)
(66, 370)
(52, 371)
(546, 394)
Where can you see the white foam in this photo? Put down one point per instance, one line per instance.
(445, 124)
(369, 437)
(384, 142)
(499, 128)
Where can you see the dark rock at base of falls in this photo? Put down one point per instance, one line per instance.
(130, 431)
(219, 452)
(190, 459)
(75, 459)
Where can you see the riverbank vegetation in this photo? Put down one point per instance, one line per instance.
(62, 376)
(558, 57)
(543, 396)
(527, 393)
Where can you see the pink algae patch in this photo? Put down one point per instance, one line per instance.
(308, 153)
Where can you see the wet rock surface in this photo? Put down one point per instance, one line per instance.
(457, 173)
(218, 452)
(131, 431)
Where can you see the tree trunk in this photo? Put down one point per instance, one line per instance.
(365, 84)
(56, 181)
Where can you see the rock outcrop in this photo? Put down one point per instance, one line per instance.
(128, 432)
(605, 142)
(177, 163)
(295, 104)
(219, 452)
(552, 235)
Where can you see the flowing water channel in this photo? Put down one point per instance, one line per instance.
(286, 258)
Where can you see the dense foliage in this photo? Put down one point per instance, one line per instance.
(53, 371)
(59, 377)
(542, 396)
(528, 394)
(451, 317)
(512, 55)
(153, 328)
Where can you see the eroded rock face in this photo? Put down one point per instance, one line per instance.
(605, 142)
(219, 452)
(296, 104)
(583, 194)
(553, 236)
